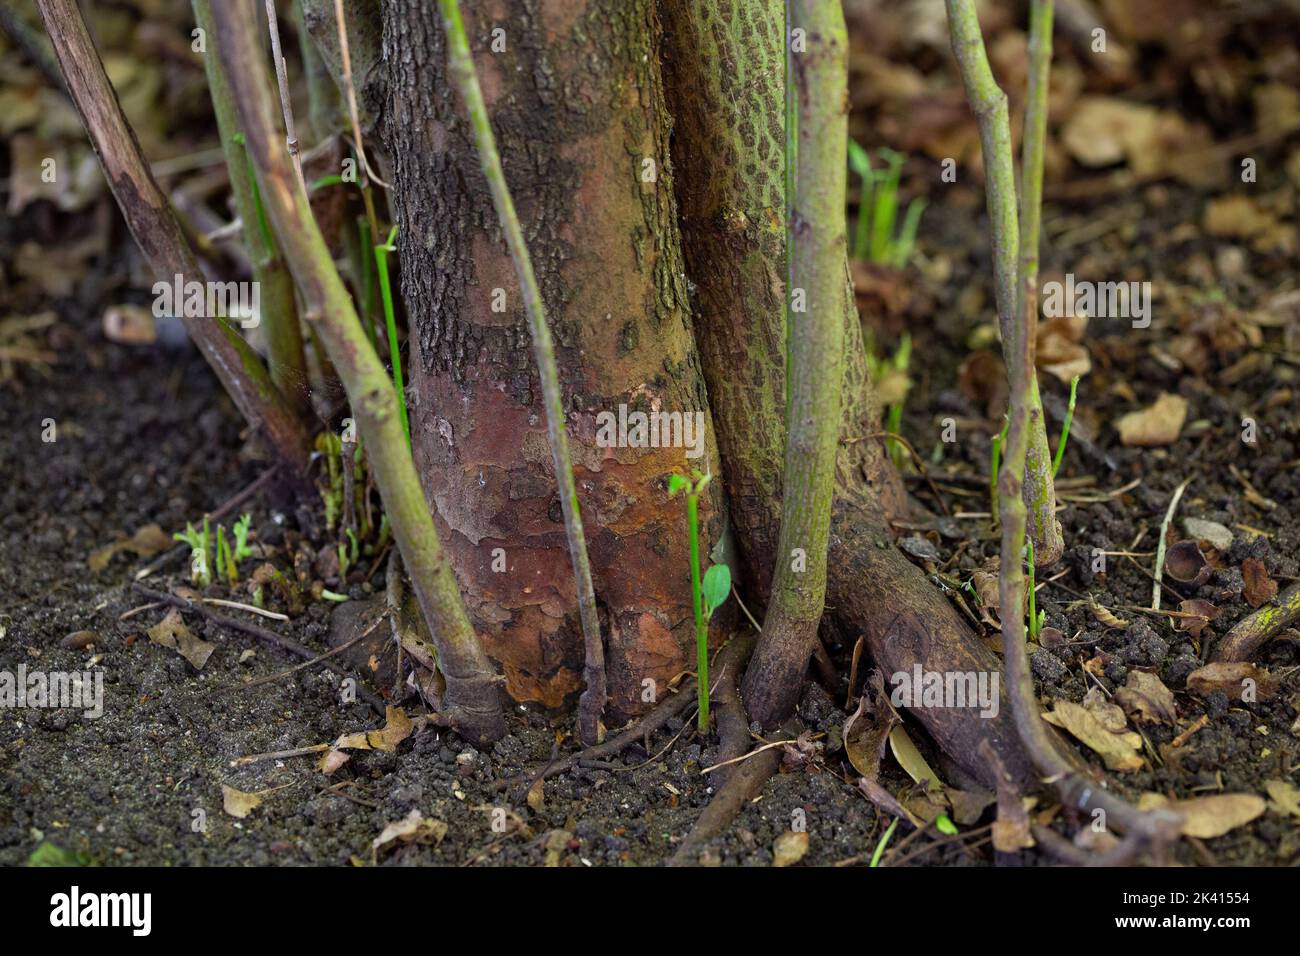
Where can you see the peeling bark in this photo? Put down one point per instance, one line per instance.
(577, 106)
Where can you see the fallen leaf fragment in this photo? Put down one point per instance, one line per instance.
(172, 633)
(413, 828)
(1201, 613)
(1119, 751)
(1209, 817)
(1258, 588)
(1159, 424)
(1285, 796)
(1146, 699)
(1239, 680)
(146, 542)
(237, 803)
(789, 848)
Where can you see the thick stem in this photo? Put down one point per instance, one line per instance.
(817, 248)
(461, 67)
(156, 231)
(990, 106)
(471, 703)
(288, 364)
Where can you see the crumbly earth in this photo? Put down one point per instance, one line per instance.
(145, 436)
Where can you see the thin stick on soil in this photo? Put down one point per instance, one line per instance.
(262, 634)
(156, 230)
(1159, 573)
(461, 66)
(989, 104)
(471, 703)
(816, 243)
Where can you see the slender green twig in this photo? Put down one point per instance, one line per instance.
(989, 104)
(1065, 426)
(286, 360)
(470, 702)
(461, 67)
(817, 250)
(882, 843)
(701, 623)
(390, 321)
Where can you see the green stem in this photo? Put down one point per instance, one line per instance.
(1065, 426)
(816, 371)
(390, 321)
(286, 358)
(470, 703)
(701, 624)
(461, 67)
(1014, 299)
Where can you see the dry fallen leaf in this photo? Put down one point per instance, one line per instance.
(789, 848)
(1258, 588)
(1160, 424)
(172, 633)
(1285, 796)
(1145, 698)
(1239, 680)
(1102, 130)
(413, 828)
(239, 804)
(146, 542)
(1060, 351)
(397, 728)
(1119, 751)
(537, 795)
(1203, 612)
(1209, 817)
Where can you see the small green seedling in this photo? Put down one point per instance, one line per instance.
(226, 558)
(884, 842)
(386, 293)
(1065, 427)
(197, 539)
(1036, 617)
(874, 238)
(242, 527)
(893, 368)
(995, 464)
(707, 594)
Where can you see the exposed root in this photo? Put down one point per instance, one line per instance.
(745, 783)
(664, 711)
(738, 782)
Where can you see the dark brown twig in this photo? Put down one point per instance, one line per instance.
(262, 634)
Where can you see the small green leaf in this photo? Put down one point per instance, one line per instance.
(859, 161)
(677, 483)
(48, 854)
(944, 825)
(717, 585)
